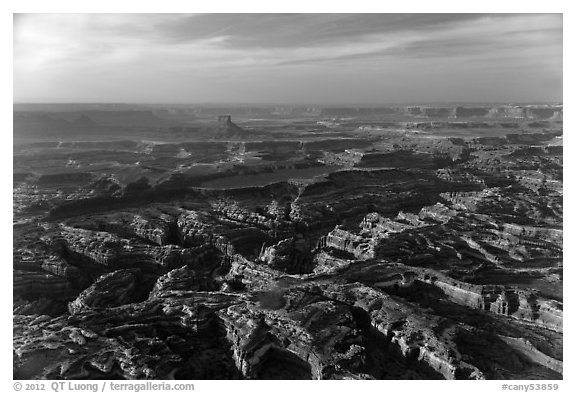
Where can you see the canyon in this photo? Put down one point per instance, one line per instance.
(288, 242)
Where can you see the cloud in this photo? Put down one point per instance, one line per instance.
(296, 30)
(130, 52)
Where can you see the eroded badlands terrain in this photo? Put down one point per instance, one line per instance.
(288, 243)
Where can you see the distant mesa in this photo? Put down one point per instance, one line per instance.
(84, 122)
(224, 128)
(225, 119)
(228, 129)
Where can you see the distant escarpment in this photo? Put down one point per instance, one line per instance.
(536, 112)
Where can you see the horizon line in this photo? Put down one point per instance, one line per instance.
(239, 103)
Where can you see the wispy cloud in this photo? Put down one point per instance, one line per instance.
(247, 50)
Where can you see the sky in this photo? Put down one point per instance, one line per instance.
(287, 58)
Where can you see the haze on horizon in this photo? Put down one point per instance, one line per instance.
(287, 58)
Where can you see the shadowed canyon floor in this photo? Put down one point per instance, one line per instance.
(327, 243)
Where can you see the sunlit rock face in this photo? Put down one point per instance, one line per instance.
(112, 290)
(394, 243)
(289, 255)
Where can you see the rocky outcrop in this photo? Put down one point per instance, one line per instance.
(526, 305)
(339, 239)
(155, 226)
(183, 279)
(112, 290)
(60, 267)
(289, 255)
(113, 252)
(324, 263)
